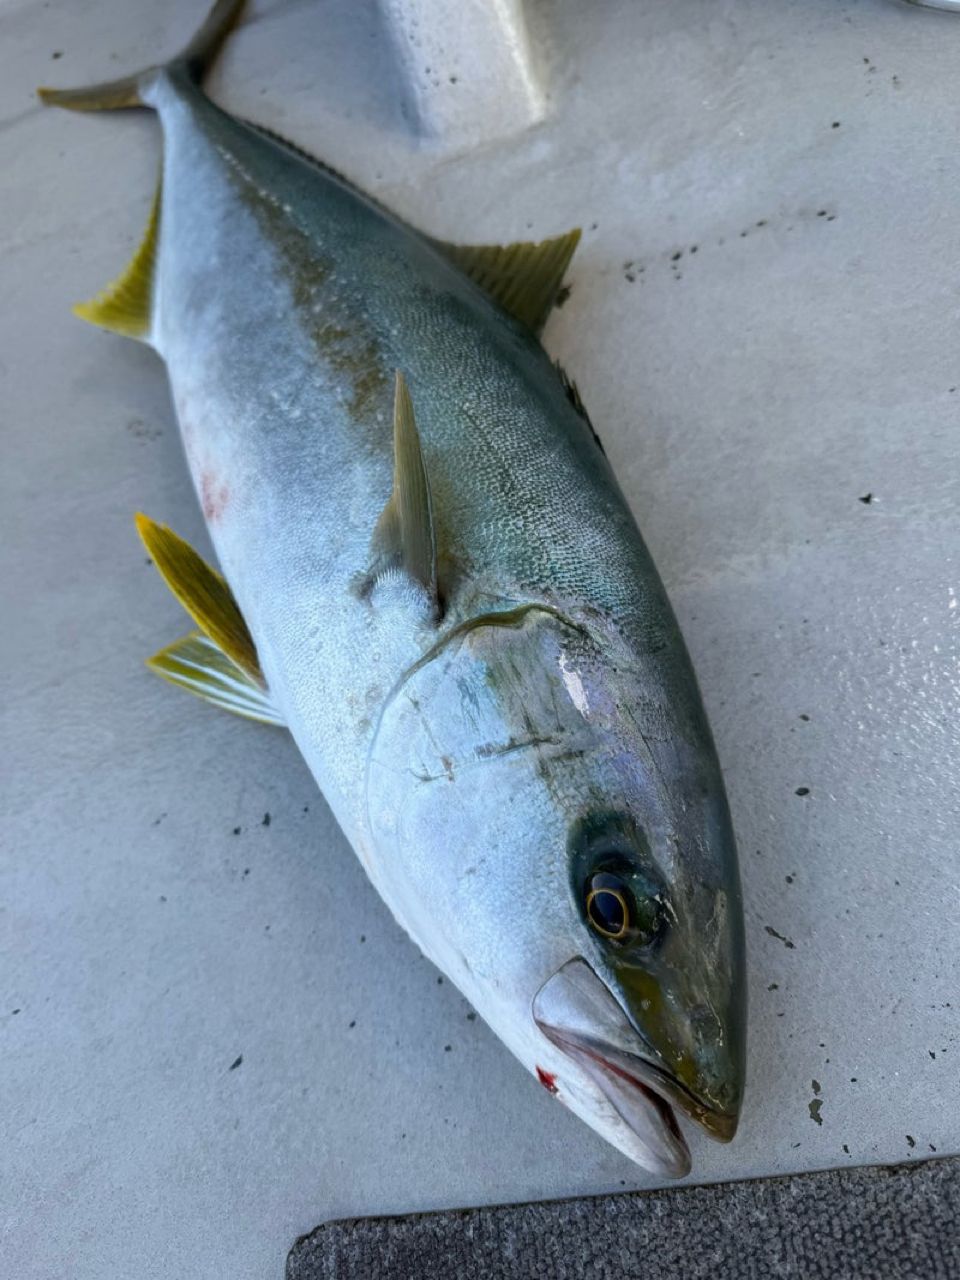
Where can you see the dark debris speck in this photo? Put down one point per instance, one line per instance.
(768, 928)
(866, 499)
(802, 791)
(562, 295)
(911, 1141)
(447, 1048)
(266, 820)
(471, 1016)
(236, 1063)
(237, 830)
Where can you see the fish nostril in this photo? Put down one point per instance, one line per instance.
(705, 1025)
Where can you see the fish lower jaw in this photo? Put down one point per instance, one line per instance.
(652, 1135)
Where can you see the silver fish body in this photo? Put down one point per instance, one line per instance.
(521, 766)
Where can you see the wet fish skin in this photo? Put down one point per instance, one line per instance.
(484, 762)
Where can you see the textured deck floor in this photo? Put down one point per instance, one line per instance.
(212, 1035)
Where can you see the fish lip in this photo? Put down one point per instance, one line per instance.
(580, 1015)
(667, 1153)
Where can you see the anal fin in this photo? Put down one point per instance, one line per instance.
(126, 305)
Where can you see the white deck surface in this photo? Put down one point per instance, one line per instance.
(154, 928)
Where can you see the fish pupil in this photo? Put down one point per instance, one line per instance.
(607, 905)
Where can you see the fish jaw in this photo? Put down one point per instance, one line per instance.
(580, 1016)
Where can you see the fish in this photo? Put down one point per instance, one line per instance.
(429, 575)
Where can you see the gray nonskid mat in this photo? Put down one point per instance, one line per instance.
(897, 1222)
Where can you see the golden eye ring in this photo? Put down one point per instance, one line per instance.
(603, 919)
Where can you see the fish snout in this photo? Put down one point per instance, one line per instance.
(643, 1081)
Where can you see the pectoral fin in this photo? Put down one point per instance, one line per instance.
(524, 278)
(405, 537)
(201, 667)
(204, 595)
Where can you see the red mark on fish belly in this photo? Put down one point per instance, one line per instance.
(548, 1080)
(214, 496)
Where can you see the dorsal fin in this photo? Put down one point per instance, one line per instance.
(524, 278)
(405, 537)
(203, 593)
(126, 305)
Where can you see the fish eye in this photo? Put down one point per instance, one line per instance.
(608, 905)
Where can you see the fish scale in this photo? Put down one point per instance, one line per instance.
(431, 577)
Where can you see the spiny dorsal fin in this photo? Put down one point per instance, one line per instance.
(524, 277)
(573, 395)
(203, 593)
(201, 667)
(405, 536)
(126, 305)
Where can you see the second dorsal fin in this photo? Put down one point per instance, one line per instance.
(524, 278)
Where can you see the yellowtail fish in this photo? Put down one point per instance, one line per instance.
(432, 579)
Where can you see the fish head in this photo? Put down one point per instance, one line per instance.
(548, 822)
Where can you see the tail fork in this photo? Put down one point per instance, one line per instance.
(194, 62)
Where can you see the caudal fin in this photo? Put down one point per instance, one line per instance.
(194, 62)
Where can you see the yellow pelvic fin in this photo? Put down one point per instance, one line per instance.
(524, 277)
(405, 535)
(203, 593)
(201, 667)
(126, 305)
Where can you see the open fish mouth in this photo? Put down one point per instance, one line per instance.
(577, 1012)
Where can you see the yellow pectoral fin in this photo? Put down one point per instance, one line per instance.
(126, 305)
(524, 278)
(204, 594)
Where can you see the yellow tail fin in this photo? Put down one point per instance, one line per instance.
(194, 61)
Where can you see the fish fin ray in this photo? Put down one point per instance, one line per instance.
(405, 535)
(524, 277)
(126, 305)
(196, 663)
(131, 91)
(573, 395)
(203, 593)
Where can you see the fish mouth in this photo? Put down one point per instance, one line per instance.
(578, 1014)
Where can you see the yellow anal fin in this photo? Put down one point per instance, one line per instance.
(126, 306)
(201, 667)
(405, 537)
(524, 278)
(203, 593)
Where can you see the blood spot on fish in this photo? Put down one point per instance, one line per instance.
(548, 1080)
(214, 496)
